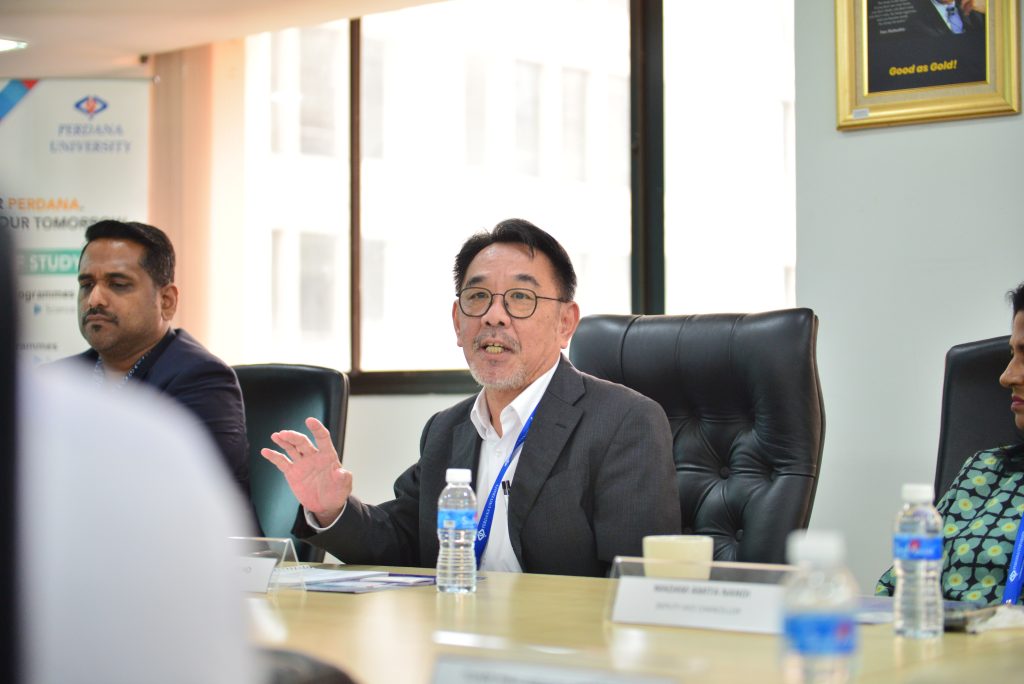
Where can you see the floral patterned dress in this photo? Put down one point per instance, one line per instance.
(981, 512)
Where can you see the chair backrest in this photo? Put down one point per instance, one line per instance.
(292, 667)
(975, 407)
(742, 396)
(281, 397)
(10, 656)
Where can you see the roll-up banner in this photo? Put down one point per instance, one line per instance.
(74, 151)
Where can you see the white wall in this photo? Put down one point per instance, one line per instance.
(907, 239)
(382, 439)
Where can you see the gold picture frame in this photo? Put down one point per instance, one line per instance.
(893, 67)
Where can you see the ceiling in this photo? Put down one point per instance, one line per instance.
(77, 38)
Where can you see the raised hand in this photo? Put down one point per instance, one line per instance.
(313, 472)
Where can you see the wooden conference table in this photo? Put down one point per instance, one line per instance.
(397, 635)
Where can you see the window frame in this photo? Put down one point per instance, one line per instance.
(647, 184)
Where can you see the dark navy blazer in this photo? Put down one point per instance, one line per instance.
(185, 370)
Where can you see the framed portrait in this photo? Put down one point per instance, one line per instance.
(912, 61)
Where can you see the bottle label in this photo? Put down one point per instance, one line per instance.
(456, 519)
(916, 547)
(818, 634)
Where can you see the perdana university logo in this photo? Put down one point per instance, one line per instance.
(90, 105)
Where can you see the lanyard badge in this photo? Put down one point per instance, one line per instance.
(483, 530)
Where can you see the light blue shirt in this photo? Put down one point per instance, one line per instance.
(940, 7)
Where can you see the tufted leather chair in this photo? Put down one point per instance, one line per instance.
(281, 396)
(291, 667)
(742, 395)
(975, 407)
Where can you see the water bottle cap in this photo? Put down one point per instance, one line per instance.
(824, 547)
(917, 493)
(458, 475)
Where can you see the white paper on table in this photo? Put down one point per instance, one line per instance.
(296, 575)
(1005, 617)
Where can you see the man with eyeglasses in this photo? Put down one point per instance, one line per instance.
(570, 471)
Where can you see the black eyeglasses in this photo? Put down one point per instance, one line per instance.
(519, 302)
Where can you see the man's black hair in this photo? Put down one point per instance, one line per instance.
(520, 231)
(1016, 298)
(158, 252)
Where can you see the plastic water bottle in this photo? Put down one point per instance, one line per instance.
(917, 561)
(456, 533)
(820, 629)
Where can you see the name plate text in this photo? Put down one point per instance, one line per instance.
(732, 606)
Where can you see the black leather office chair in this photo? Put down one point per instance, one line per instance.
(291, 667)
(10, 655)
(743, 398)
(281, 397)
(975, 407)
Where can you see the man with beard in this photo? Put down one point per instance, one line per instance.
(592, 474)
(126, 300)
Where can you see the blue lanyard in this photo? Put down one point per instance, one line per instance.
(483, 528)
(1013, 581)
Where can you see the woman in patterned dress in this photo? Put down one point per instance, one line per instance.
(982, 509)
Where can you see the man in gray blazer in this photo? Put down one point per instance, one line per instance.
(573, 470)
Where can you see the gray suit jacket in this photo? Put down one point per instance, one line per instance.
(595, 475)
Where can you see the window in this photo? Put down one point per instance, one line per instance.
(730, 238)
(278, 281)
(317, 268)
(284, 91)
(479, 126)
(371, 108)
(296, 189)
(318, 48)
(618, 143)
(476, 111)
(574, 123)
(528, 118)
(464, 123)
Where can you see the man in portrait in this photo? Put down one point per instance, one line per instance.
(924, 43)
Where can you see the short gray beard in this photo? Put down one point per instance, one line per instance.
(513, 382)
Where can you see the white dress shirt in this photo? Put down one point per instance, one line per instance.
(499, 554)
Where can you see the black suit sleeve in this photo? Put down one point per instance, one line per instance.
(387, 534)
(210, 391)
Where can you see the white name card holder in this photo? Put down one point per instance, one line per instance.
(451, 669)
(259, 557)
(739, 597)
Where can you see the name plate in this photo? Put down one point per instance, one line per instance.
(468, 670)
(732, 606)
(255, 572)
